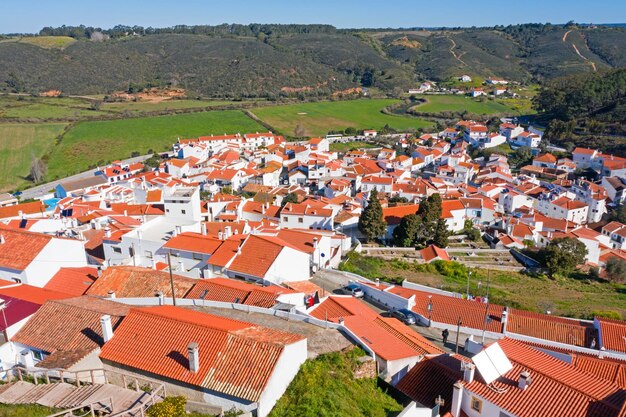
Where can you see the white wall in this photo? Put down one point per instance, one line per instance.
(56, 254)
(290, 265)
(287, 367)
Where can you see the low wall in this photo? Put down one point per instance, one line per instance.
(424, 288)
(385, 298)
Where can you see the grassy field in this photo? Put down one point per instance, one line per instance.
(90, 143)
(48, 42)
(349, 146)
(25, 410)
(147, 106)
(457, 103)
(26, 107)
(319, 118)
(575, 296)
(18, 142)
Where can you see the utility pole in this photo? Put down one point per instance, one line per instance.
(169, 264)
(458, 330)
(486, 307)
(469, 274)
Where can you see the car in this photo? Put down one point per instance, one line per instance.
(353, 290)
(404, 315)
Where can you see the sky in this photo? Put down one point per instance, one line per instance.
(29, 16)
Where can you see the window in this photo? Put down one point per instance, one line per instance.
(183, 211)
(17, 280)
(197, 256)
(38, 355)
(117, 250)
(477, 405)
(148, 254)
(167, 210)
(285, 219)
(300, 220)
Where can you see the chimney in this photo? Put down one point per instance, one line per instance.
(469, 371)
(505, 319)
(219, 235)
(194, 357)
(315, 242)
(161, 298)
(457, 399)
(107, 328)
(125, 213)
(227, 232)
(99, 271)
(204, 232)
(111, 294)
(154, 262)
(524, 380)
(181, 266)
(107, 232)
(2, 240)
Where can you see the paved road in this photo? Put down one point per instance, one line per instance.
(43, 189)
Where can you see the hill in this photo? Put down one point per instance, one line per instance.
(235, 61)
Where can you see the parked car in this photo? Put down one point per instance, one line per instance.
(354, 290)
(404, 315)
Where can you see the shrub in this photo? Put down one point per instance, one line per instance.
(169, 407)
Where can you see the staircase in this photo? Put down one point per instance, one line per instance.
(93, 399)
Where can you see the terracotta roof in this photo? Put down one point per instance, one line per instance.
(154, 196)
(67, 325)
(31, 294)
(393, 215)
(547, 327)
(258, 253)
(387, 337)
(555, 385)
(21, 301)
(433, 252)
(449, 309)
(234, 291)
(610, 370)
(448, 206)
(74, 281)
(194, 242)
(26, 208)
(431, 378)
(20, 247)
(130, 281)
(235, 358)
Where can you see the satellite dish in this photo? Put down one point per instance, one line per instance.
(492, 363)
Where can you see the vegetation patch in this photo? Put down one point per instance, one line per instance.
(325, 386)
(577, 295)
(49, 42)
(459, 104)
(350, 146)
(18, 145)
(317, 119)
(26, 410)
(89, 144)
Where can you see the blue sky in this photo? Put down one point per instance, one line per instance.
(32, 15)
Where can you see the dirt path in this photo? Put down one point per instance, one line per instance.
(457, 57)
(593, 64)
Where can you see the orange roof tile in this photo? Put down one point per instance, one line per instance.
(235, 358)
(20, 247)
(26, 208)
(194, 242)
(130, 281)
(613, 334)
(74, 281)
(393, 215)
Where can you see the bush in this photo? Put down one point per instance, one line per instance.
(607, 314)
(169, 407)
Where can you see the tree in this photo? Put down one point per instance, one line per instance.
(522, 156)
(430, 209)
(289, 198)
(619, 214)
(371, 222)
(404, 235)
(440, 237)
(563, 254)
(38, 169)
(616, 269)
(299, 131)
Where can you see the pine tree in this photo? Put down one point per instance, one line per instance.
(404, 235)
(371, 222)
(440, 237)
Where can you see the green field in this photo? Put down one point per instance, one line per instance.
(147, 106)
(18, 143)
(96, 142)
(349, 146)
(459, 104)
(26, 107)
(57, 42)
(317, 119)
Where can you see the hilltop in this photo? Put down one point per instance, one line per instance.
(287, 60)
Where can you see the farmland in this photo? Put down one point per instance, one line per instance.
(149, 106)
(95, 142)
(318, 118)
(459, 104)
(18, 143)
(349, 146)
